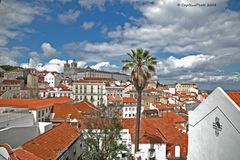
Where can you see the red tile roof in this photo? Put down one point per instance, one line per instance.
(149, 111)
(76, 110)
(25, 155)
(158, 130)
(12, 82)
(162, 106)
(33, 103)
(53, 143)
(235, 96)
(173, 117)
(99, 79)
(115, 98)
(129, 100)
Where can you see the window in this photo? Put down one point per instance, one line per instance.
(39, 114)
(126, 109)
(42, 112)
(91, 88)
(74, 151)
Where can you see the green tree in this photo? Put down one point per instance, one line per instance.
(142, 65)
(102, 138)
(22, 78)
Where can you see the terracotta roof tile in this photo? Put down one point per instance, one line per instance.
(115, 98)
(99, 79)
(235, 96)
(173, 116)
(33, 103)
(12, 82)
(162, 106)
(129, 100)
(25, 155)
(76, 110)
(51, 144)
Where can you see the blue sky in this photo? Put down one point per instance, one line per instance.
(193, 43)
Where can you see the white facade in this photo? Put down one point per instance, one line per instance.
(114, 91)
(130, 111)
(94, 92)
(41, 114)
(53, 80)
(17, 128)
(214, 129)
(147, 151)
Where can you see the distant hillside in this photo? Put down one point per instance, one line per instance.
(8, 67)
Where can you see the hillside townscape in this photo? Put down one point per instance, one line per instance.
(125, 80)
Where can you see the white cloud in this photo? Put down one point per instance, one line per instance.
(7, 61)
(69, 17)
(33, 61)
(15, 13)
(53, 65)
(206, 38)
(96, 52)
(48, 50)
(106, 66)
(9, 56)
(91, 3)
(88, 25)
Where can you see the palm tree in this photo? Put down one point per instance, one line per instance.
(142, 64)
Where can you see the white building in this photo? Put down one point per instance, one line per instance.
(214, 128)
(40, 108)
(17, 126)
(129, 109)
(91, 90)
(114, 90)
(52, 79)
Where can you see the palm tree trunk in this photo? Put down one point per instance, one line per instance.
(138, 117)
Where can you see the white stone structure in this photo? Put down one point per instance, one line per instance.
(16, 126)
(93, 91)
(52, 79)
(214, 127)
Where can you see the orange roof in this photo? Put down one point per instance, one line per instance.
(162, 106)
(235, 96)
(33, 103)
(76, 110)
(99, 79)
(129, 100)
(53, 143)
(149, 111)
(115, 98)
(155, 130)
(150, 90)
(63, 87)
(25, 155)
(12, 82)
(173, 116)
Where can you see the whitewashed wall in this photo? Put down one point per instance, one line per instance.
(203, 142)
